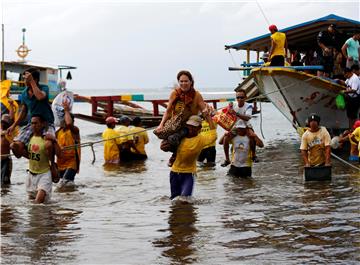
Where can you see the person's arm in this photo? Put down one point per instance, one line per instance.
(327, 155)
(258, 141)
(67, 117)
(353, 138)
(304, 154)
(286, 49)
(19, 119)
(30, 82)
(272, 48)
(344, 50)
(202, 105)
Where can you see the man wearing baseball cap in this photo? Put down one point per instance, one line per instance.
(278, 50)
(243, 144)
(112, 142)
(315, 143)
(184, 168)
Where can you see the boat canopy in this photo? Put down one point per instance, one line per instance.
(302, 37)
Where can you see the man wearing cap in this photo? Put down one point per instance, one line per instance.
(243, 144)
(328, 42)
(6, 140)
(112, 142)
(184, 168)
(315, 144)
(127, 139)
(141, 138)
(354, 138)
(68, 135)
(278, 50)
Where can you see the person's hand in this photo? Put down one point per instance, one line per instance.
(66, 105)
(50, 137)
(307, 165)
(10, 130)
(159, 128)
(328, 164)
(28, 78)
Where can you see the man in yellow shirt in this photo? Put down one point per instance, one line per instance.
(355, 138)
(39, 181)
(112, 142)
(209, 151)
(68, 135)
(184, 168)
(315, 144)
(127, 139)
(141, 138)
(278, 50)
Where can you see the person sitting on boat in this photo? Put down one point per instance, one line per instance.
(183, 170)
(35, 100)
(350, 50)
(184, 101)
(315, 144)
(209, 152)
(112, 142)
(327, 40)
(278, 50)
(68, 135)
(127, 139)
(243, 112)
(242, 143)
(39, 179)
(141, 138)
(6, 140)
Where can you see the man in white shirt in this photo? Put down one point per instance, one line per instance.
(352, 96)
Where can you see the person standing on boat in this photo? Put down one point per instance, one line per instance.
(39, 180)
(112, 142)
(68, 135)
(350, 50)
(327, 41)
(242, 143)
(315, 144)
(184, 101)
(35, 100)
(183, 170)
(278, 50)
(352, 95)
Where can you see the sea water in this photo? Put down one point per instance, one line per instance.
(123, 214)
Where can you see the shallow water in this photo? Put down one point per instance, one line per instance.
(123, 215)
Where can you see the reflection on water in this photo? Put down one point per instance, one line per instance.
(122, 214)
(179, 244)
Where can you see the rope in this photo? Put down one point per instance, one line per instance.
(262, 12)
(233, 60)
(345, 162)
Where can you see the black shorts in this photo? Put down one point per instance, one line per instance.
(209, 154)
(6, 168)
(352, 107)
(243, 172)
(277, 60)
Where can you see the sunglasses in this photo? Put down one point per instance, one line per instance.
(240, 97)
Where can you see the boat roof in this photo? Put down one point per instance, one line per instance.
(302, 36)
(41, 66)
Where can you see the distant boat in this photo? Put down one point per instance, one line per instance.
(291, 90)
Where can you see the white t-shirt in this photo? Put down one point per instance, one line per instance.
(353, 83)
(246, 109)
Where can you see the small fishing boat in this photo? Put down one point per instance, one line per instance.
(293, 90)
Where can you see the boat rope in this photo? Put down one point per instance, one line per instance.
(233, 60)
(345, 162)
(262, 12)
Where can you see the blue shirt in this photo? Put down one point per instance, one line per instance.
(38, 107)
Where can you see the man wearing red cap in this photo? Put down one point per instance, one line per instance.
(355, 142)
(111, 143)
(278, 50)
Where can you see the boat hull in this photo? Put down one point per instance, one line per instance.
(297, 94)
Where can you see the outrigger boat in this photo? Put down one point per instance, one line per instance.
(293, 91)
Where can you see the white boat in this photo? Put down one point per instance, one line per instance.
(291, 90)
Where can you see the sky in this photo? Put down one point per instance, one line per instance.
(140, 45)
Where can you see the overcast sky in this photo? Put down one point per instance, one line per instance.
(119, 45)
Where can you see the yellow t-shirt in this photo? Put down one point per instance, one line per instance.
(124, 130)
(314, 143)
(141, 138)
(356, 133)
(111, 149)
(205, 131)
(38, 159)
(68, 158)
(188, 151)
(279, 40)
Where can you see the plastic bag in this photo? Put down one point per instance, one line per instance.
(225, 118)
(340, 101)
(57, 107)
